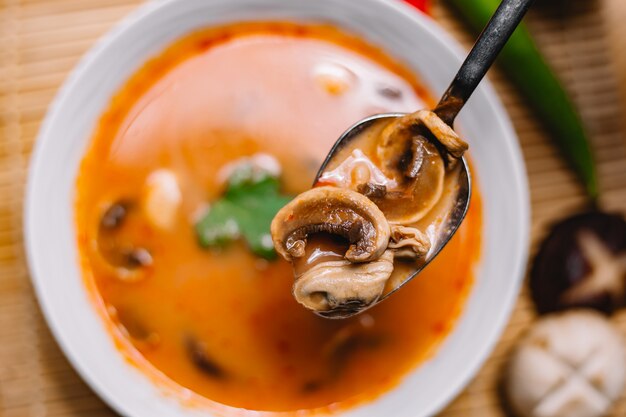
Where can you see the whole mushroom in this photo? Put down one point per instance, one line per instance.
(582, 263)
(571, 364)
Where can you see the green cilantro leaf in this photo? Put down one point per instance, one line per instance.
(246, 210)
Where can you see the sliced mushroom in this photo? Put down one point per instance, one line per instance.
(569, 364)
(408, 242)
(401, 165)
(429, 120)
(453, 144)
(342, 286)
(372, 190)
(126, 261)
(336, 211)
(373, 194)
(417, 166)
(414, 161)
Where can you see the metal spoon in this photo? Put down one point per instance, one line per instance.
(481, 57)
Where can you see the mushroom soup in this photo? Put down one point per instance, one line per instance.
(190, 162)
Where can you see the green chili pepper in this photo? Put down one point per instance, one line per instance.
(525, 65)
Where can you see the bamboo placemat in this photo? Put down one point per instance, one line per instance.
(41, 40)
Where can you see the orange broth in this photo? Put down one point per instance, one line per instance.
(288, 90)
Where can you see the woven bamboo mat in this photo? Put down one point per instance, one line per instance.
(41, 40)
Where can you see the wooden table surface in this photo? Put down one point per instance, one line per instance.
(41, 40)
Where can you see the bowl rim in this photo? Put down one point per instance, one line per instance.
(144, 12)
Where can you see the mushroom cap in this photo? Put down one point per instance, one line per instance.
(336, 211)
(579, 250)
(572, 364)
(340, 285)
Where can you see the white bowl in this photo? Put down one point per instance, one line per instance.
(405, 33)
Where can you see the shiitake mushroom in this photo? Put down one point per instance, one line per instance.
(336, 211)
(582, 263)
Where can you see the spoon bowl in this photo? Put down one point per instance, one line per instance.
(484, 52)
(449, 226)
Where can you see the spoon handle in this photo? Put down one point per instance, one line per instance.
(489, 44)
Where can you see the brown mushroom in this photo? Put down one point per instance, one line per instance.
(409, 154)
(340, 285)
(443, 133)
(335, 211)
(347, 263)
(391, 177)
(408, 242)
(582, 263)
(135, 324)
(401, 165)
(411, 124)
